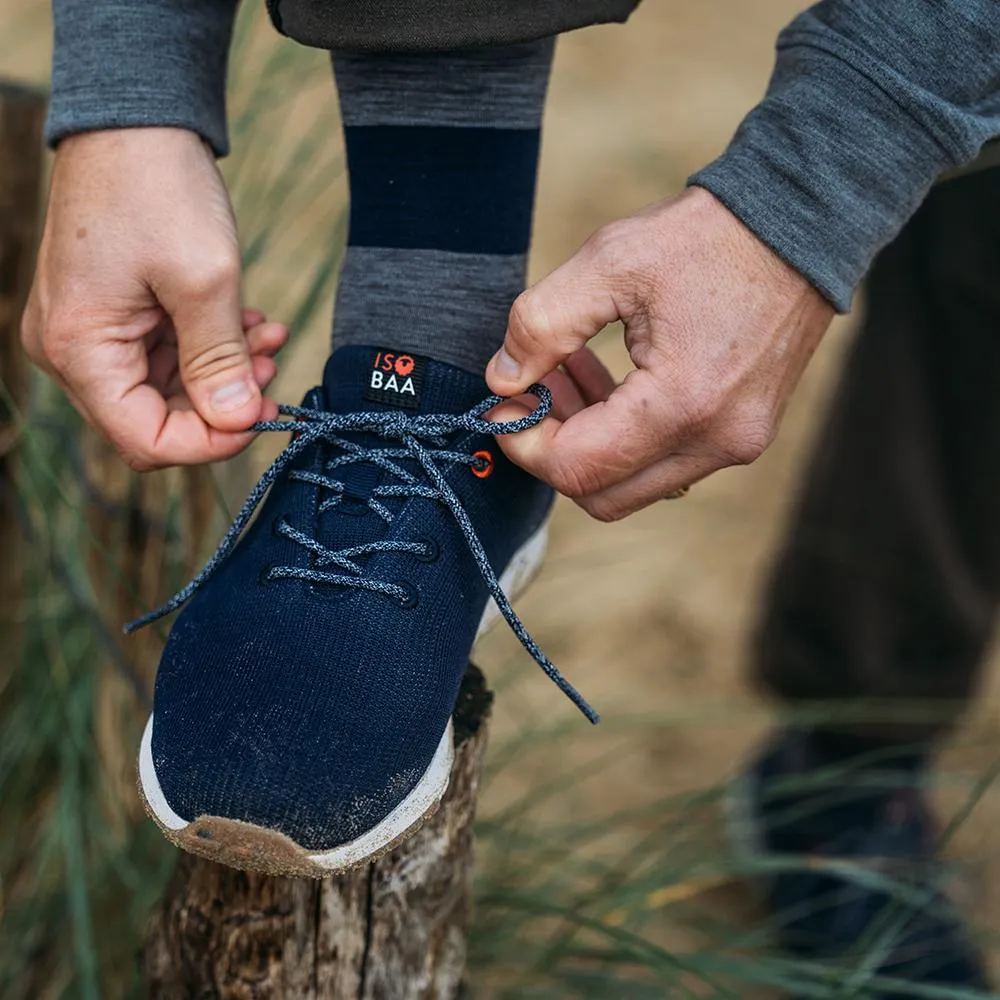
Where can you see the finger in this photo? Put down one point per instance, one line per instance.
(603, 444)
(214, 356)
(566, 396)
(251, 317)
(266, 338)
(151, 434)
(582, 381)
(107, 382)
(550, 321)
(648, 486)
(163, 368)
(262, 341)
(180, 401)
(269, 409)
(79, 404)
(262, 337)
(591, 376)
(264, 371)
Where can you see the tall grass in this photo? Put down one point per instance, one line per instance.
(634, 905)
(79, 866)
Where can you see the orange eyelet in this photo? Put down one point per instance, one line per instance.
(486, 471)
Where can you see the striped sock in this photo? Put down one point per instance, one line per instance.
(442, 152)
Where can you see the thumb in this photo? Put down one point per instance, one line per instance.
(552, 320)
(215, 364)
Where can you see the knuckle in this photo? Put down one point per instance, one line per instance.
(603, 510)
(574, 481)
(751, 430)
(536, 330)
(564, 484)
(610, 245)
(28, 326)
(212, 276)
(30, 340)
(138, 464)
(696, 408)
(745, 444)
(530, 322)
(51, 343)
(214, 359)
(137, 461)
(133, 452)
(621, 254)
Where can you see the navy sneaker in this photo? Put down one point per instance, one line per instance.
(301, 716)
(845, 860)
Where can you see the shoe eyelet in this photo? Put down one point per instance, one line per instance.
(485, 467)
(276, 525)
(264, 576)
(433, 550)
(412, 598)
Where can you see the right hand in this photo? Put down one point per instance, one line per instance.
(718, 326)
(135, 307)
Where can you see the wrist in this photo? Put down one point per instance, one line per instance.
(726, 234)
(148, 138)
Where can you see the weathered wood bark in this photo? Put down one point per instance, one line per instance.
(394, 930)
(22, 113)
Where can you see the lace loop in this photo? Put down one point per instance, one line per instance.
(423, 437)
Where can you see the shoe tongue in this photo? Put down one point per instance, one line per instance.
(386, 380)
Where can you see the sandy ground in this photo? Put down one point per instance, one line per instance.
(649, 616)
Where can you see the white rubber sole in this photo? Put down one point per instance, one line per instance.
(245, 845)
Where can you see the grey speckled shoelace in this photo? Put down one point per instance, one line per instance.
(423, 437)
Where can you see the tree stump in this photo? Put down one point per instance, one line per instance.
(393, 930)
(22, 113)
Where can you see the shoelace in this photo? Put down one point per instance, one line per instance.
(423, 437)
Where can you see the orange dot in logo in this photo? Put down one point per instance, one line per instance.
(404, 365)
(485, 468)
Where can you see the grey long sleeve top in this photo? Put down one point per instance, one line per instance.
(870, 101)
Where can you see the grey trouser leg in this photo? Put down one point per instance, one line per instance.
(889, 579)
(435, 25)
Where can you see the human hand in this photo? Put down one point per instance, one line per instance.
(720, 330)
(135, 306)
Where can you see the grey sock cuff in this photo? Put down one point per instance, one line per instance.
(133, 63)
(450, 306)
(489, 88)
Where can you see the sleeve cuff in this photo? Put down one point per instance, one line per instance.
(128, 64)
(835, 159)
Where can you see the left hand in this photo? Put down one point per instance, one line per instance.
(719, 327)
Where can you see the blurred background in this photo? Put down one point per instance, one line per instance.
(602, 869)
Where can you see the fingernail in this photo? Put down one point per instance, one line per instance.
(231, 397)
(505, 366)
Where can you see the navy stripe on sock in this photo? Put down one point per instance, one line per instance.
(467, 190)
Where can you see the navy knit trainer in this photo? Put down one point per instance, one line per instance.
(846, 856)
(301, 719)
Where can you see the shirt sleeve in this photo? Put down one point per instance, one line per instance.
(131, 63)
(870, 101)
